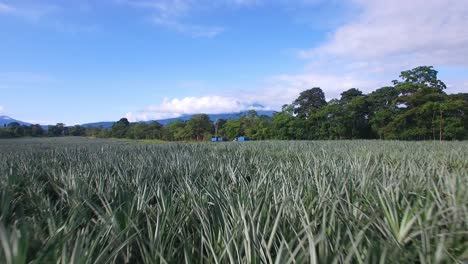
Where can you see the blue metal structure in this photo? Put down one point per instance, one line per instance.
(218, 139)
(242, 139)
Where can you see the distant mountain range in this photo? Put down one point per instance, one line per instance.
(164, 122)
(5, 120)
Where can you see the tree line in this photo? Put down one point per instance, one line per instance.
(415, 107)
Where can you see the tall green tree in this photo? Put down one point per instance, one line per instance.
(16, 130)
(309, 102)
(355, 109)
(421, 95)
(330, 121)
(37, 131)
(120, 128)
(253, 126)
(286, 126)
(57, 130)
(200, 127)
(143, 130)
(218, 125)
(422, 75)
(154, 130)
(452, 119)
(77, 131)
(350, 94)
(382, 109)
(232, 129)
(176, 130)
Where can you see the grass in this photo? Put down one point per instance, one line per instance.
(104, 201)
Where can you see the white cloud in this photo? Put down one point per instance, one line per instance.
(189, 29)
(274, 93)
(387, 37)
(4, 8)
(173, 14)
(332, 85)
(2, 109)
(191, 105)
(49, 14)
(32, 12)
(420, 31)
(382, 39)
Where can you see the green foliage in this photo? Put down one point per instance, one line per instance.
(286, 126)
(415, 108)
(348, 95)
(15, 130)
(77, 131)
(120, 129)
(250, 125)
(175, 131)
(422, 75)
(309, 102)
(426, 111)
(97, 132)
(232, 129)
(57, 130)
(76, 200)
(199, 127)
(152, 130)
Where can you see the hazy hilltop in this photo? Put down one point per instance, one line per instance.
(6, 120)
(165, 122)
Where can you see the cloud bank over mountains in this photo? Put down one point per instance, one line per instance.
(170, 108)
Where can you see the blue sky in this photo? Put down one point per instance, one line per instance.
(81, 61)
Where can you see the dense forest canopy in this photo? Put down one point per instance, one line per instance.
(416, 107)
